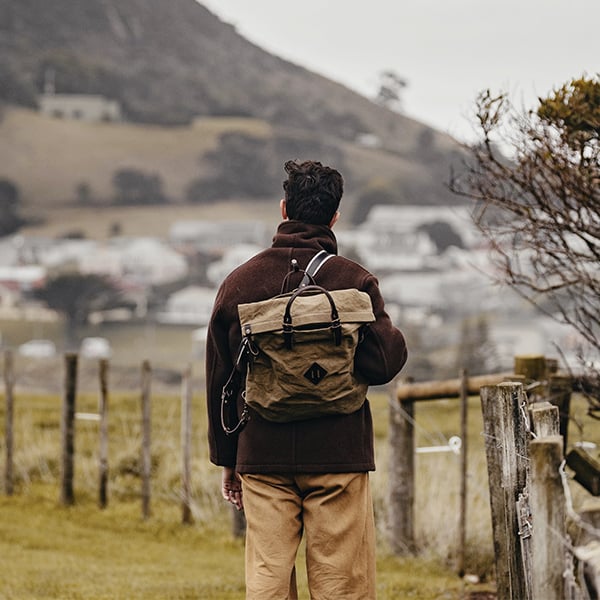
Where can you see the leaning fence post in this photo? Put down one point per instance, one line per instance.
(146, 430)
(186, 442)
(401, 466)
(103, 448)
(68, 429)
(505, 431)
(548, 518)
(9, 382)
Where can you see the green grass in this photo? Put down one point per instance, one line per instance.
(83, 553)
(62, 153)
(51, 551)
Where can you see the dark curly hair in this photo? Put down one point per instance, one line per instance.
(312, 192)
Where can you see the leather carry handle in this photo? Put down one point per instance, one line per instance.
(288, 328)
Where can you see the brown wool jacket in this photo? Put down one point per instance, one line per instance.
(332, 444)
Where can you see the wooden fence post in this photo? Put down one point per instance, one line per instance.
(464, 434)
(401, 466)
(505, 431)
(533, 367)
(9, 382)
(103, 447)
(560, 389)
(544, 419)
(186, 442)
(548, 518)
(68, 430)
(146, 434)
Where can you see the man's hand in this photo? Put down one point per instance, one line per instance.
(231, 487)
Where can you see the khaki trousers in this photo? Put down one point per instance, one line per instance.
(333, 511)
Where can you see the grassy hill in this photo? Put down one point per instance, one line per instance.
(197, 98)
(168, 62)
(48, 158)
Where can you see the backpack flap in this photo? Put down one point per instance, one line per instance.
(314, 375)
(353, 306)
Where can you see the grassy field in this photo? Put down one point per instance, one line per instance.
(48, 158)
(50, 551)
(62, 153)
(84, 553)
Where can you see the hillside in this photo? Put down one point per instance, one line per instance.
(48, 158)
(168, 62)
(196, 96)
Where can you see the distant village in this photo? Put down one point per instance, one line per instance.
(429, 288)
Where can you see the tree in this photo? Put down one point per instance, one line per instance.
(540, 206)
(376, 193)
(250, 166)
(83, 193)
(442, 234)
(241, 167)
(133, 186)
(10, 221)
(76, 296)
(391, 86)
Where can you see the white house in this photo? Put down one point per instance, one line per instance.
(233, 257)
(392, 218)
(214, 236)
(67, 252)
(23, 278)
(191, 305)
(82, 107)
(151, 261)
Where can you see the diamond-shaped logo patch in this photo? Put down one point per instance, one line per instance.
(315, 373)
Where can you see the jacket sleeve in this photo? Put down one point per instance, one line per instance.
(223, 448)
(382, 353)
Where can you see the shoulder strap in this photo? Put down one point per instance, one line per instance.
(316, 262)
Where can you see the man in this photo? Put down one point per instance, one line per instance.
(307, 477)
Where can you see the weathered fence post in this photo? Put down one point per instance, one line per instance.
(544, 419)
(186, 442)
(464, 434)
(548, 518)
(68, 430)
(533, 367)
(401, 465)
(146, 434)
(560, 389)
(103, 448)
(9, 382)
(505, 431)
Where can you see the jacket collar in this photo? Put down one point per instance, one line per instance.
(296, 234)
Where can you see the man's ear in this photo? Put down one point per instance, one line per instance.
(283, 209)
(334, 219)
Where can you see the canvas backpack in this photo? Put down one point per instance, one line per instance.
(297, 353)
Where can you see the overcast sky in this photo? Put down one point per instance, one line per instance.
(447, 50)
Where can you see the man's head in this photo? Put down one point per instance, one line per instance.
(312, 192)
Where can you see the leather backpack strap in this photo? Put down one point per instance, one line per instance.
(316, 262)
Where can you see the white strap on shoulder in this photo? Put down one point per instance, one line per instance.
(316, 262)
